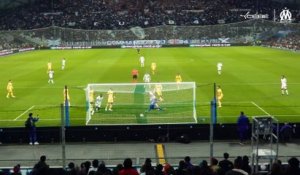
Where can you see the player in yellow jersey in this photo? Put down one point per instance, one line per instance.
(63, 64)
(66, 95)
(110, 100)
(92, 101)
(9, 89)
(49, 66)
(158, 90)
(153, 67)
(219, 96)
(178, 80)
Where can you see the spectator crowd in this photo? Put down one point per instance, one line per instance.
(240, 166)
(109, 14)
(109, 20)
(290, 42)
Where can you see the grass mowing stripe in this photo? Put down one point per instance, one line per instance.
(24, 113)
(139, 92)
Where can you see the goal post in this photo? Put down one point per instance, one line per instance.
(175, 103)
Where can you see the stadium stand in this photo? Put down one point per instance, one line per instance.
(56, 23)
(290, 41)
(105, 14)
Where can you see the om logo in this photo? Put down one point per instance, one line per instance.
(285, 15)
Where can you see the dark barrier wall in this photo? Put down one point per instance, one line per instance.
(155, 133)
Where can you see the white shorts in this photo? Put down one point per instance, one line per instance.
(98, 105)
(283, 86)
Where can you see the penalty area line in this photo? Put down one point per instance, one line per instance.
(260, 108)
(24, 113)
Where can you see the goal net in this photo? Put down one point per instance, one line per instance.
(130, 103)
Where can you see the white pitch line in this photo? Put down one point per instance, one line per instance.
(256, 83)
(24, 113)
(260, 108)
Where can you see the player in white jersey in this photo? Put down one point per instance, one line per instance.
(147, 78)
(219, 67)
(142, 61)
(98, 102)
(284, 89)
(63, 64)
(51, 76)
(153, 102)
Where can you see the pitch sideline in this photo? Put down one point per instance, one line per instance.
(24, 112)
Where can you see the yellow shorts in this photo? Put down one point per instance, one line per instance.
(110, 100)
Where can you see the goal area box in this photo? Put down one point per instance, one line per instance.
(131, 104)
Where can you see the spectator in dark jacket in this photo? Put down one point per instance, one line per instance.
(182, 168)
(159, 170)
(246, 167)
(238, 162)
(41, 168)
(204, 168)
(103, 170)
(117, 169)
(243, 127)
(31, 128)
(147, 167)
(286, 132)
(71, 169)
(225, 164)
(293, 167)
(276, 169)
(189, 165)
(128, 169)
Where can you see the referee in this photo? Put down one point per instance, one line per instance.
(134, 74)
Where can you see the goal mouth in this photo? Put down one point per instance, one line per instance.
(141, 103)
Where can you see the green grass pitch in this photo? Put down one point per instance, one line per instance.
(250, 81)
